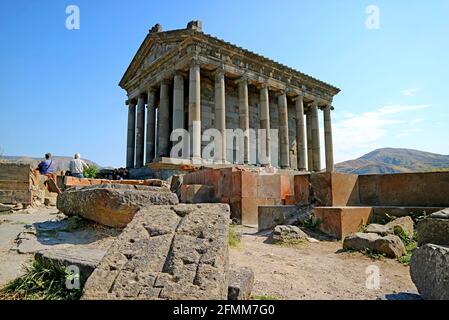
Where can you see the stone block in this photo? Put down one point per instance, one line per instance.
(434, 229)
(167, 252)
(197, 193)
(86, 259)
(341, 221)
(302, 189)
(271, 216)
(429, 270)
(241, 282)
(250, 209)
(113, 205)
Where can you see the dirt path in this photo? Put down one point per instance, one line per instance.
(316, 270)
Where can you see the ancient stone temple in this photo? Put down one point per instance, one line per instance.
(186, 79)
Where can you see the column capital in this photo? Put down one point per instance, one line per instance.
(178, 73)
(219, 72)
(195, 61)
(281, 93)
(300, 96)
(166, 81)
(131, 102)
(243, 79)
(151, 90)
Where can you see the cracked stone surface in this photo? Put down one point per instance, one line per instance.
(167, 252)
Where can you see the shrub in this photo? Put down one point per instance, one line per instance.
(41, 282)
(233, 237)
(91, 172)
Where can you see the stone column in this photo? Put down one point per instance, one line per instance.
(244, 116)
(265, 120)
(178, 102)
(195, 110)
(309, 140)
(284, 145)
(300, 134)
(131, 142)
(140, 131)
(220, 111)
(151, 107)
(316, 151)
(163, 124)
(328, 139)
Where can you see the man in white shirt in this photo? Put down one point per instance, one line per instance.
(77, 166)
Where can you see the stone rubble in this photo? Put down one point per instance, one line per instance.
(390, 245)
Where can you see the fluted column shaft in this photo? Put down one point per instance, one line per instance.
(316, 150)
(328, 139)
(163, 124)
(284, 144)
(309, 140)
(195, 110)
(131, 142)
(244, 116)
(151, 107)
(265, 121)
(220, 111)
(140, 131)
(300, 134)
(178, 102)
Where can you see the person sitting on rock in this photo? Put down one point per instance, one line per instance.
(47, 166)
(77, 166)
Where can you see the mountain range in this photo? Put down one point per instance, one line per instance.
(395, 160)
(380, 161)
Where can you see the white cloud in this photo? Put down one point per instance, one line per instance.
(409, 92)
(360, 133)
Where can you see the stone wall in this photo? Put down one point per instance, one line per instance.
(15, 183)
(428, 189)
(387, 190)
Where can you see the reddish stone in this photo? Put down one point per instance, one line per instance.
(342, 221)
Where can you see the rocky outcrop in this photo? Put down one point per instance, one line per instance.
(241, 282)
(434, 229)
(287, 234)
(429, 269)
(112, 205)
(391, 246)
(167, 252)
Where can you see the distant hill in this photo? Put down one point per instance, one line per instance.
(391, 160)
(61, 163)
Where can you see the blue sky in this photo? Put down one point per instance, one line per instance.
(59, 88)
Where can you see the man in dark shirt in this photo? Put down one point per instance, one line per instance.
(46, 166)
